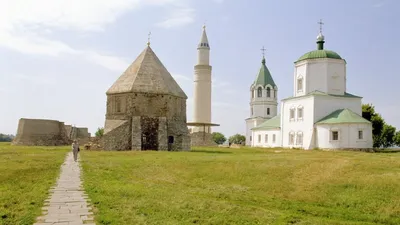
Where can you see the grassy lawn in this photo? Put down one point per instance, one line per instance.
(243, 186)
(26, 174)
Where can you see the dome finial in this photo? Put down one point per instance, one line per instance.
(148, 39)
(263, 53)
(320, 37)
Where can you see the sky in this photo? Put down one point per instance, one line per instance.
(59, 57)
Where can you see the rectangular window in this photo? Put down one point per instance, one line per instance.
(267, 111)
(273, 138)
(259, 138)
(360, 135)
(335, 135)
(118, 104)
(299, 140)
(300, 84)
(266, 138)
(292, 114)
(300, 113)
(291, 139)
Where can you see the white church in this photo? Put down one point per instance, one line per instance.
(321, 114)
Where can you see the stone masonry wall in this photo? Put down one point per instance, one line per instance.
(202, 139)
(118, 138)
(126, 106)
(41, 132)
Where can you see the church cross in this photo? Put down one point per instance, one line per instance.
(320, 25)
(148, 38)
(263, 51)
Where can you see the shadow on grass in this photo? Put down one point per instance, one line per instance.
(387, 150)
(215, 152)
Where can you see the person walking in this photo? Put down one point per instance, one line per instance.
(75, 149)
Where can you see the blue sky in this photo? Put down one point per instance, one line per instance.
(59, 57)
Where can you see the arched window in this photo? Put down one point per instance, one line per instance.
(268, 111)
(268, 92)
(259, 92)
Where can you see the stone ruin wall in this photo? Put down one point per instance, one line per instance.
(170, 110)
(38, 132)
(41, 132)
(202, 139)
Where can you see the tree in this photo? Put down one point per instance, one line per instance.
(368, 112)
(99, 132)
(237, 139)
(6, 137)
(388, 136)
(397, 138)
(218, 138)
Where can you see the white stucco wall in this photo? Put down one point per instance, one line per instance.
(324, 105)
(326, 75)
(304, 125)
(250, 123)
(348, 136)
(269, 143)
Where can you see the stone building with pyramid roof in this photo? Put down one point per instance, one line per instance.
(146, 109)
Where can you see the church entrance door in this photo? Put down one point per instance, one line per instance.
(149, 127)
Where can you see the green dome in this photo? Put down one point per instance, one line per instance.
(317, 54)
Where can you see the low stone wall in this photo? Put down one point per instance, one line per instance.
(202, 139)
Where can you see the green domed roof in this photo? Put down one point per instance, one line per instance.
(320, 54)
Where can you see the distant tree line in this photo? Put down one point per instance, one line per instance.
(219, 138)
(6, 137)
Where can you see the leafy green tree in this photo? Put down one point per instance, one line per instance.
(218, 138)
(237, 139)
(368, 112)
(99, 132)
(388, 136)
(397, 138)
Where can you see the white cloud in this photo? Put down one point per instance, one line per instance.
(219, 84)
(110, 62)
(26, 24)
(178, 17)
(180, 77)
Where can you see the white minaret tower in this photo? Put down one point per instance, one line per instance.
(201, 131)
(202, 83)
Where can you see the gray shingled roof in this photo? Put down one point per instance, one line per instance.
(147, 74)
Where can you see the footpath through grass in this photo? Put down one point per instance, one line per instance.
(26, 175)
(243, 186)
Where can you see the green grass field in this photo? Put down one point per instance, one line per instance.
(210, 186)
(243, 186)
(26, 174)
